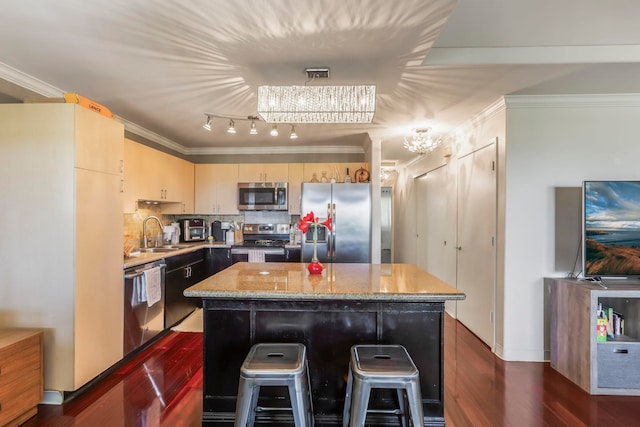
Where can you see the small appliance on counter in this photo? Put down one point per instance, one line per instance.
(217, 232)
(193, 230)
(171, 233)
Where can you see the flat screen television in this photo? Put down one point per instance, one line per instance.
(611, 228)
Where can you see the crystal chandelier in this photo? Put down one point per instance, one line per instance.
(317, 104)
(420, 142)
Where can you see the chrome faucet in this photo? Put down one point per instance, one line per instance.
(144, 228)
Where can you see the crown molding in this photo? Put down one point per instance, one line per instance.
(29, 82)
(320, 149)
(152, 136)
(573, 101)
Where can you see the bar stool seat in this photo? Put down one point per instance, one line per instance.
(381, 366)
(275, 364)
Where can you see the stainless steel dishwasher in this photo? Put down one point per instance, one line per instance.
(141, 322)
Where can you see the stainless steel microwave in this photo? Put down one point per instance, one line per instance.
(262, 196)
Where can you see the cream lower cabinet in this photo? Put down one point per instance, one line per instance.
(62, 236)
(152, 175)
(216, 189)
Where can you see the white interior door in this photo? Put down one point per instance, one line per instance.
(476, 241)
(436, 201)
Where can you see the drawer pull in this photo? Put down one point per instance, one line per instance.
(620, 350)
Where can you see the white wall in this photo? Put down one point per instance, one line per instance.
(553, 142)
(476, 133)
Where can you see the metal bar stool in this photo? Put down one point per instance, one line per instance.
(381, 366)
(275, 364)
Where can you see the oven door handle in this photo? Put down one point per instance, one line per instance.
(140, 272)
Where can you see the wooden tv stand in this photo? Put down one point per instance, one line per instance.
(611, 367)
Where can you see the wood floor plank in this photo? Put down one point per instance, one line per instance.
(162, 387)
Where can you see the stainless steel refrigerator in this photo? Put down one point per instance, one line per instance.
(349, 206)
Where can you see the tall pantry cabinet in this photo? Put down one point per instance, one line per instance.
(61, 228)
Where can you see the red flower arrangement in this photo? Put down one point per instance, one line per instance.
(310, 219)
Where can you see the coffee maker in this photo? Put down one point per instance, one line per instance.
(217, 232)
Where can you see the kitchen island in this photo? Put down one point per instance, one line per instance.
(347, 304)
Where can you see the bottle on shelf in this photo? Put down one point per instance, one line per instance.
(347, 177)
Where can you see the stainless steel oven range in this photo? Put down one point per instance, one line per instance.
(262, 243)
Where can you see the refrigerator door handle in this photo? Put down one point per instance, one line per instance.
(333, 232)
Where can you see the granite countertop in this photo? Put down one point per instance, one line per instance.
(385, 282)
(146, 257)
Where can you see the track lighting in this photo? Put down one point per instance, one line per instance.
(232, 127)
(207, 125)
(255, 123)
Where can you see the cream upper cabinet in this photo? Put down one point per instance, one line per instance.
(177, 181)
(95, 149)
(296, 175)
(339, 170)
(68, 162)
(216, 189)
(263, 172)
(150, 174)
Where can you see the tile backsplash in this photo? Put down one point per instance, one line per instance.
(133, 221)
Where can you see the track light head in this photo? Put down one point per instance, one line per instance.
(207, 125)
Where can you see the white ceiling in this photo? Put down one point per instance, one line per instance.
(161, 65)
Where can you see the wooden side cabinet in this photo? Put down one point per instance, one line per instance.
(21, 378)
(611, 367)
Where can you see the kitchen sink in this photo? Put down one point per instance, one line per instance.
(178, 246)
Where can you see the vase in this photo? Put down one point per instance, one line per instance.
(314, 267)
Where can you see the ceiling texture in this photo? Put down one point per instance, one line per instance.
(162, 65)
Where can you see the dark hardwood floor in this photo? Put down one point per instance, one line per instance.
(162, 386)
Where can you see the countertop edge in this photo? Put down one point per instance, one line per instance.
(257, 295)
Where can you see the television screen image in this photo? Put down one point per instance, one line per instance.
(611, 232)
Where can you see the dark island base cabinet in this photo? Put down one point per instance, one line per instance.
(328, 329)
